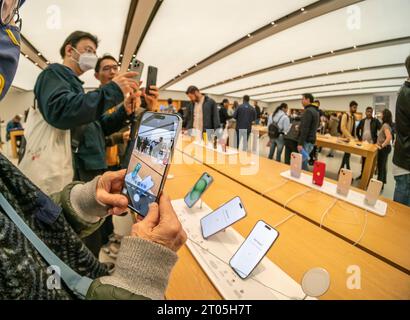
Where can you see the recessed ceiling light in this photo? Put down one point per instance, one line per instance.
(311, 57)
(302, 9)
(39, 54)
(26, 55)
(121, 55)
(331, 52)
(36, 64)
(354, 47)
(48, 62)
(272, 23)
(133, 55)
(249, 35)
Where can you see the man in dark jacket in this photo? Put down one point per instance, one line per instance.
(244, 115)
(60, 94)
(202, 114)
(367, 131)
(401, 156)
(223, 112)
(308, 127)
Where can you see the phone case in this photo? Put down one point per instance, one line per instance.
(137, 66)
(373, 191)
(344, 182)
(151, 78)
(319, 169)
(295, 164)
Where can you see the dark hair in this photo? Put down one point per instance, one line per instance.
(407, 63)
(308, 96)
(246, 98)
(369, 108)
(282, 106)
(317, 101)
(100, 60)
(334, 114)
(387, 117)
(191, 89)
(353, 103)
(225, 100)
(170, 101)
(74, 38)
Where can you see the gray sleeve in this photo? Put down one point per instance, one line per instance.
(142, 268)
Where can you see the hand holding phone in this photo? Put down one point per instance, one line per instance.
(223, 217)
(198, 190)
(253, 249)
(150, 159)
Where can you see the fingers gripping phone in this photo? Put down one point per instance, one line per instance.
(223, 217)
(151, 78)
(295, 164)
(253, 249)
(137, 66)
(150, 159)
(319, 169)
(198, 190)
(344, 182)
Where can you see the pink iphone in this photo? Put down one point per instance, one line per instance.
(373, 191)
(295, 164)
(344, 182)
(319, 169)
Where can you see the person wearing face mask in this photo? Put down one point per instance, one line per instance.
(61, 105)
(38, 232)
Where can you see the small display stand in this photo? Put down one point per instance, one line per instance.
(229, 150)
(353, 197)
(214, 254)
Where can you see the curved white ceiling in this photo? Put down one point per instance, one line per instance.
(26, 74)
(380, 20)
(186, 31)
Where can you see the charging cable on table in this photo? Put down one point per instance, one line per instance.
(274, 188)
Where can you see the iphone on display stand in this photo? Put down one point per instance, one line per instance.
(373, 192)
(295, 164)
(344, 182)
(319, 170)
(198, 190)
(223, 217)
(253, 249)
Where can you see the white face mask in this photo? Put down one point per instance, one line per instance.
(87, 60)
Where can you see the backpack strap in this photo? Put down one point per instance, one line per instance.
(78, 284)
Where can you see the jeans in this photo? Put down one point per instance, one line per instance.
(308, 148)
(243, 135)
(280, 143)
(382, 156)
(402, 190)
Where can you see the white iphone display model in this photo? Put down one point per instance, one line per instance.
(295, 164)
(253, 249)
(373, 192)
(222, 217)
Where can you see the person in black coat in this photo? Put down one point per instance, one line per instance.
(223, 113)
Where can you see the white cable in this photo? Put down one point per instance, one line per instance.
(284, 220)
(326, 212)
(364, 229)
(295, 196)
(252, 278)
(274, 188)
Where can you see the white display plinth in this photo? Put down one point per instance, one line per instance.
(353, 197)
(223, 245)
(229, 150)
